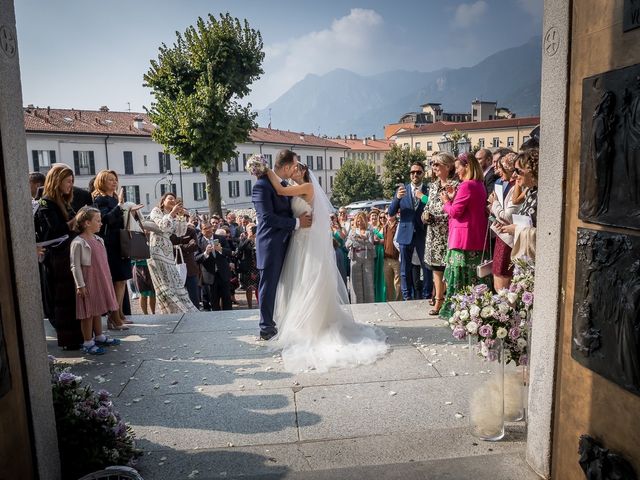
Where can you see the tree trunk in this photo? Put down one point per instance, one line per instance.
(213, 191)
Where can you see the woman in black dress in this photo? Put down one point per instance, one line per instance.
(111, 208)
(247, 266)
(54, 219)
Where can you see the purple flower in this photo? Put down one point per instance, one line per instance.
(514, 333)
(527, 298)
(459, 332)
(523, 360)
(480, 289)
(492, 356)
(103, 395)
(103, 412)
(67, 378)
(485, 331)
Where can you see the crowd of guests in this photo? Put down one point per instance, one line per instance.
(440, 233)
(196, 262)
(458, 222)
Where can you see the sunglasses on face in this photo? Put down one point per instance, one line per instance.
(416, 172)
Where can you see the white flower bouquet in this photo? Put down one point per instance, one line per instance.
(503, 316)
(257, 165)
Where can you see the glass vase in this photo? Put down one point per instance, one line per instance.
(486, 400)
(516, 384)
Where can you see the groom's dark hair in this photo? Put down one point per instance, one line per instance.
(285, 157)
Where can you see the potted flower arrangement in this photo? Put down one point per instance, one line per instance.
(91, 434)
(497, 326)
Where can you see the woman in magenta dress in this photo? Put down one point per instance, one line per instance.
(467, 229)
(95, 295)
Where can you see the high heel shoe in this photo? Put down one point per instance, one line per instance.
(438, 306)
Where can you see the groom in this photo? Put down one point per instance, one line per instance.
(275, 224)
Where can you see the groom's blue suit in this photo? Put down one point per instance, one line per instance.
(275, 224)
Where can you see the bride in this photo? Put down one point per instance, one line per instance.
(316, 329)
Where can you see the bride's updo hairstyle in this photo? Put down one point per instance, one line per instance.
(285, 157)
(305, 172)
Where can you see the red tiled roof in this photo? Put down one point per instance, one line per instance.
(87, 122)
(55, 120)
(270, 135)
(442, 127)
(358, 144)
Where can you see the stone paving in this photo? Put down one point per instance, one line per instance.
(207, 399)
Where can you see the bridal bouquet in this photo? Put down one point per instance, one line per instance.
(91, 434)
(257, 165)
(503, 316)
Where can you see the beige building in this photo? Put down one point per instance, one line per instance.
(370, 150)
(511, 133)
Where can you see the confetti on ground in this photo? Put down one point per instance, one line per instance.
(392, 393)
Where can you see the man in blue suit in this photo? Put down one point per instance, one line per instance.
(275, 225)
(411, 232)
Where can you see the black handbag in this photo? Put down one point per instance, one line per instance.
(134, 245)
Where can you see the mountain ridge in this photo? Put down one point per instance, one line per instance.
(342, 102)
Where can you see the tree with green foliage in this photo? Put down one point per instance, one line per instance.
(197, 84)
(397, 163)
(356, 180)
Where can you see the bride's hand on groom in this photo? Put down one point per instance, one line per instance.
(305, 220)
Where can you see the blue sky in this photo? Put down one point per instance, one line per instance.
(88, 53)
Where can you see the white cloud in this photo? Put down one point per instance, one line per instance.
(469, 13)
(532, 7)
(353, 42)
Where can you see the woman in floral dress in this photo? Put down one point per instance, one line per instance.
(437, 221)
(171, 295)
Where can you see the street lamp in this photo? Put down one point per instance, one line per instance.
(168, 177)
(464, 145)
(445, 144)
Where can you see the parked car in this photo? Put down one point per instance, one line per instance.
(366, 206)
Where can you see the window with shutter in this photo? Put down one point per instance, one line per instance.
(128, 163)
(310, 162)
(52, 156)
(319, 163)
(269, 158)
(36, 163)
(234, 189)
(199, 191)
(330, 163)
(247, 188)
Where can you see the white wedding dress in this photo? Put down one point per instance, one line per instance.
(316, 329)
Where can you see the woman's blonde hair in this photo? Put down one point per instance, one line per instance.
(56, 175)
(85, 214)
(446, 159)
(528, 159)
(360, 215)
(100, 183)
(474, 170)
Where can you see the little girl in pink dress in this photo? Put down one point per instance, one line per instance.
(94, 289)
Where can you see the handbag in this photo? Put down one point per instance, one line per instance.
(134, 244)
(486, 266)
(181, 267)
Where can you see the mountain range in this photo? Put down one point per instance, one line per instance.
(343, 102)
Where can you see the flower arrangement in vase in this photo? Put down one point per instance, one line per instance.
(91, 434)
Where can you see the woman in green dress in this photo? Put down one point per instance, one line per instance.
(380, 291)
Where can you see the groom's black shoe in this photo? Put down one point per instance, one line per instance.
(267, 335)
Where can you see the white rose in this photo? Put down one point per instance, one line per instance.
(503, 308)
(487, 312)
(474, 310)
(464, 315)
(523, 314)
(512, 297)
(502, 332)
(522, 343)
(472, 328)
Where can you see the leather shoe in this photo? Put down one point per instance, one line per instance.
(267, 335)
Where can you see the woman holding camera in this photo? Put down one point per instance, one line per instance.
(171, 295)
(437, 222)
